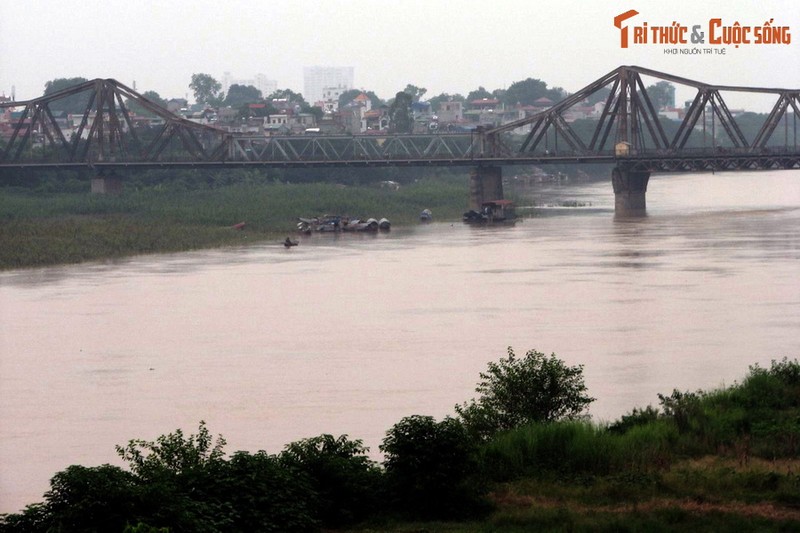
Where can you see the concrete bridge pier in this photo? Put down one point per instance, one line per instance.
(102, 184)
(629, 192)
(485, 184)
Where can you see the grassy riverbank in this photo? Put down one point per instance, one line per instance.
(40, 228)
(720, 460)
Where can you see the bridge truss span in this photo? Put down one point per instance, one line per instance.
(705, 135)
(104, 122)
(358, 150)
(108, 125)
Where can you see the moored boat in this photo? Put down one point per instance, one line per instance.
(491, 211)
(330, 223)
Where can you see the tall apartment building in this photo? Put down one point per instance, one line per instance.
(316, 79)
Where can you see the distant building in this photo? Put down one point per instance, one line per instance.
(260, 82)
(316, 79)
(484, 104)
(330, 99)
(282, 123)
(450, 112)
(176, 104)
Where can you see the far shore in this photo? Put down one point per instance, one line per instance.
(43, 228)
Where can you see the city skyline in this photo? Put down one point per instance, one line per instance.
(444, 46)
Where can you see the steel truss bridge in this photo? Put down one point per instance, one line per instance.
(628, 133)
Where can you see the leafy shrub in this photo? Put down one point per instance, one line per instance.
(80, 499)
(775, 387)
(172, 453)
(431, 469)
(517, 391)
(259, 494)
(91, 498)
(187, 485)
(33, 519)
(637, 417)
(347, 483)
(684, 408)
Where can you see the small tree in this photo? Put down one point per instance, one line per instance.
(415, 92)
(76, 103)
(239, 95)
(400, 118)
(662, 94)
(478, 93)
(517, 391)
(206, 89)
(172, 453)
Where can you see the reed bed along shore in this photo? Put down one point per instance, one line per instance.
(46, 228)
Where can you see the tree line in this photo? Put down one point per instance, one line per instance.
(209, 91)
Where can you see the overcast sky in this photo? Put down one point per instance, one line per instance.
(450, 46)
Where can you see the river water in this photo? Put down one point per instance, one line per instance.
(348, 334)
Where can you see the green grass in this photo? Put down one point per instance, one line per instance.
(38, 228)
(719, 460)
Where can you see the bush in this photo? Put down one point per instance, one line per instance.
(91, 498)
(431, 469)
(515, 392)
(33, 519)
(80, 499)
(256, 493)
(172, 453)
(346, 482)
(637, 417)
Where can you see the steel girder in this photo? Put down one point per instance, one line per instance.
(106, 131)
(629, 113)
(711, 163)
(342, 148)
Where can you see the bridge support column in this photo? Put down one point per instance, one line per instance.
(106, 185)
(485, 184)
(629, 192)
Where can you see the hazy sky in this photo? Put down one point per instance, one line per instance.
(444, 45)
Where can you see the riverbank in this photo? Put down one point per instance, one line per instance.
(719, 460)
(40, 229)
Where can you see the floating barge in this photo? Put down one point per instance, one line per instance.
(334, 223)
(492, 211)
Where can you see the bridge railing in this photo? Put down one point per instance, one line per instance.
(710, 151)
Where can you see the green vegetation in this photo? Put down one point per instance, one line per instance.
(519, 391)
(57, 221)
(703, 461)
